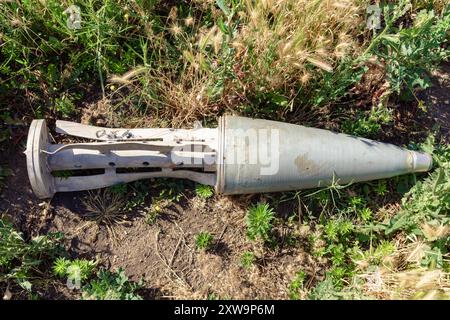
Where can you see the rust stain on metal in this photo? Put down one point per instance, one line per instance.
(306, 165)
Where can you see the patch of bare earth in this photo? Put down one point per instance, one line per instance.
(164, 254)
(437, 100)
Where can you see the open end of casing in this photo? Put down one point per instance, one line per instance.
(41, 180)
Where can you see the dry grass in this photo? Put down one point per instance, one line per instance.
(277, 46)
(417, 283)
(178, 101)
(287, 41)
(404, 277)
(105, 208)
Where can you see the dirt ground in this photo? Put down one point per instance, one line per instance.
(164, 254)
(438, 100)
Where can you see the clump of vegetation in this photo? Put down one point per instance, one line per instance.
(259, 222)
(104, 207)
(203, 241)
(248, 259)
(297, 285)
(204, 191)
(102, 285)
(25, 263)
(428, 200)
(410, 52)
(153, 213)
(76, 271)
(326, 290)
(111, 286)
(22, 262)
(368, 126)
(170, 189)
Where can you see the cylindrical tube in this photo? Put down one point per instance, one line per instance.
(267, 156)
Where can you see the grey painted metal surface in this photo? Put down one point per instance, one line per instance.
(308, 158)
(242, 155)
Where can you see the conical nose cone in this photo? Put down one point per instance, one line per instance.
(268, 156)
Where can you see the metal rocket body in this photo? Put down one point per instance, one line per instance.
(309, 158)
(242, 155)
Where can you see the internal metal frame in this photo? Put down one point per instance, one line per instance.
(170, 153)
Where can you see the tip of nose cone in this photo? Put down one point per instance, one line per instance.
(421, 162)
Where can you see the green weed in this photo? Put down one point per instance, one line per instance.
(411, 52)
(259, 222)
(74, 270)
(368, 126)
(111, 286)
(296, 285)
(247, 259)
(136, 193)
(203, 241)
(171, 190)
(428, 200)
(326, 290)
(65, 106)
(152, 216)
(380, 187)
(204, 191)
(23, 261)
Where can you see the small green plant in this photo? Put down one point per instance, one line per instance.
(327, 290)
(338, 236)
(111, 286)
(259, 222)
(152, 216)
(64, 105)
(247, 259)
(204, 191)
(75, 270)
(212, 296)
(356, 202)
(203, 241)
(368, 125)
(336, 229)
(380, 188)
(296, 285)
(374, 256)
(135, 198)
(153, 212)
(171, 190)
(365, 214)
(121, 189)
(361, 126)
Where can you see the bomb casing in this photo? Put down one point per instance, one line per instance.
(242, 155)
